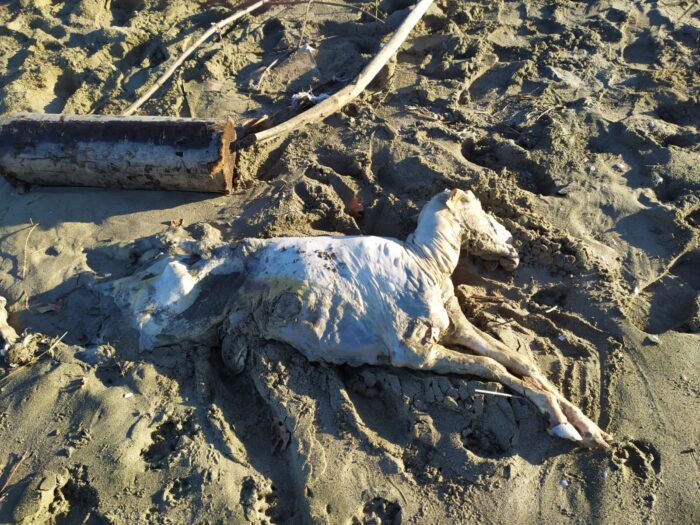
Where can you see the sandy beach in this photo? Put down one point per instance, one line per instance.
(577, 124)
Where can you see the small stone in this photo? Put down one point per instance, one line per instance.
(127, 395)
(652, 124)
(654, 339)
(562, 337)
(605, 474)
(564, 483)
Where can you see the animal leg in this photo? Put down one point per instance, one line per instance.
(445, 361)
(467, 335)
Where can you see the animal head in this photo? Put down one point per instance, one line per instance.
(482, 234)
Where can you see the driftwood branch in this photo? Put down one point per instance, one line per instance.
(215, 28)
(335, 102)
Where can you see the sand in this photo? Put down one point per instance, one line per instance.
(576, 123)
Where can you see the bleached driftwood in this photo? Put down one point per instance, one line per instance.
(338, 100)
(355, 300)
(245, 9)
(118, 152)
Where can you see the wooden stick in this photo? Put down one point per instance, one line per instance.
(491, 393)
(215, 28)
(26, 243)
(329, 3)
(332, 104)
(11, 474)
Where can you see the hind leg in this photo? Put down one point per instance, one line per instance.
(467, 335)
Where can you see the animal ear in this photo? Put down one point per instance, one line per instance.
(458, 198)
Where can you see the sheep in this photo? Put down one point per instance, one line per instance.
(356, 300)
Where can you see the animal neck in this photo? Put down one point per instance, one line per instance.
(437, 239)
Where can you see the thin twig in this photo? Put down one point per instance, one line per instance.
(35, 358)
(26, 243)
(332, 4)
(335, 102)
(262, 75)
(215, 28)
(303, 24)
(11, 474)
(491, 393)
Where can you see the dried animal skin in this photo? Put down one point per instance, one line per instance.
(353, 300)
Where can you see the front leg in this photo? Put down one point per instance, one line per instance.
(467, 335)
(439, 359)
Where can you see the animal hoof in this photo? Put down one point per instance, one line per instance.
(565, 431)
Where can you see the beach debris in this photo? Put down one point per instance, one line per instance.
(339, 99)
(356, 208)
(656, 180)
(250, 126)
(127, 395)
(306, 98)
(158, 153)
(11, 471)
(653, 339)
(26, 347)
(492, 393)
(246, 8)
(26, 239)
(564, 483)
(652, 125)
(176, 223)
(281, 436)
